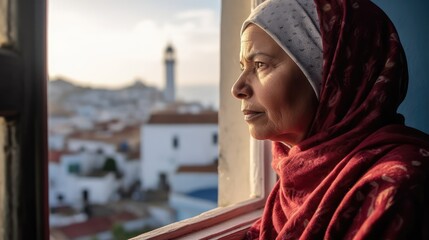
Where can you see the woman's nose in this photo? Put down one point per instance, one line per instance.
(241, 89)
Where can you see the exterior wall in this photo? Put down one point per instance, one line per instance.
(72, 185)
(107, 235)
(75, 145)
(56, 141)
(82, 123)
(195, 147)
(86, 161)
(60, 125)
(161, 215)
(186, 182)
(54, 170)
(100, 189)
(131, 173)
(57, 220)
(187, 207)
(136, 224)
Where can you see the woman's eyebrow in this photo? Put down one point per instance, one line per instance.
(251, 56)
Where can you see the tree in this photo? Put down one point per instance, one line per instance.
(110, 165)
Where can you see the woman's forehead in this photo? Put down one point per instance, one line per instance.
(255, 40)
(251, 32)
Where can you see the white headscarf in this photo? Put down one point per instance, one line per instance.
(294, 25)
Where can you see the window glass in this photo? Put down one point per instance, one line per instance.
(133, 114)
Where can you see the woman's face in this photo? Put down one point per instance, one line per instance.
(277, 100)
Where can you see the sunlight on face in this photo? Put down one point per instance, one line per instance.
(277, 100)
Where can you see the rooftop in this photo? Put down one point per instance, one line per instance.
(107, 137)
(212, 168)
(187, 118)
(95, 225)
(55, 156)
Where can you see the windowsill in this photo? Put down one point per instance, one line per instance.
(221, 223)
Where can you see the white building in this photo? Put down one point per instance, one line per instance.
(200, 196)
(171, 140)
(80, 171)
(73, 177)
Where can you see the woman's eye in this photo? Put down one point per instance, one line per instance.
(259, 65)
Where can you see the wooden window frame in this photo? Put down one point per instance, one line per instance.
(23, 77)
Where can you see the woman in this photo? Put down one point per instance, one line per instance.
(323, 81)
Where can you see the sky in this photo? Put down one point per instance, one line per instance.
(111, 43)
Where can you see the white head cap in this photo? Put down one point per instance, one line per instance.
(294, 25)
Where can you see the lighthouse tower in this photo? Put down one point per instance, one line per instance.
(169, 91)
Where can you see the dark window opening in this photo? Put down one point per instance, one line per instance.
(163, 184)
(100, 151)
(60, 198)
(175, 142)
(214, 138)
(74, 168)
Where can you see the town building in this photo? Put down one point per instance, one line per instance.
(179, 155)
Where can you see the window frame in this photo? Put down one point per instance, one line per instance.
(23, 110)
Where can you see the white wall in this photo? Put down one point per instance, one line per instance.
(195, 147)
(100, 189)
(131, 173)
(54, 170)
(86, 161)
(161, 215)
(56, 141)
(71, 186)
(187, 206)
(75, 145)
(188, 182)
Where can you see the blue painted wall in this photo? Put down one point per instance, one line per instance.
(411, 19)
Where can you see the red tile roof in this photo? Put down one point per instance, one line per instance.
(55, 156)
(95, 225)
(212, 168)
(127, 133)
(188, 118)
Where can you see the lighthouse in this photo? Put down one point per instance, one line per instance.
(169, 91)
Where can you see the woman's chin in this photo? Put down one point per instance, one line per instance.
(258, 135)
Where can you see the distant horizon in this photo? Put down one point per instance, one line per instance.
(125, 83)
(205, 93)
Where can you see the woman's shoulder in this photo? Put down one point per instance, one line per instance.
(389, 198)
(400, 167)
(399, 153)
(399, 171)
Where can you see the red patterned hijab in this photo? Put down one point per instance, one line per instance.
(360, 173)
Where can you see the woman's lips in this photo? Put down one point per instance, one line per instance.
(250, 115)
